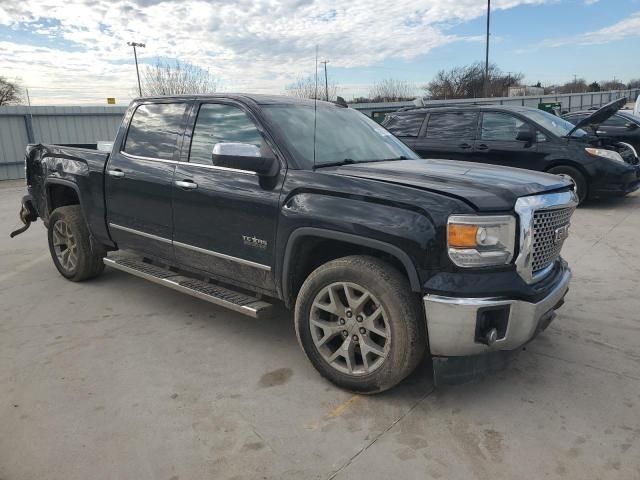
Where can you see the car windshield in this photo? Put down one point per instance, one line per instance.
(553, 123)
(343, 135)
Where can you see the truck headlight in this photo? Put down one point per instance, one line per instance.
(481, 241)
(601, 152)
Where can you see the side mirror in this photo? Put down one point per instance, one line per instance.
(527, 135)
(244, 156)
(631, 125)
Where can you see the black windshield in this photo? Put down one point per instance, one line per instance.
(342, 135)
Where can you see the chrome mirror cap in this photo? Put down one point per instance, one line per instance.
(234, 149)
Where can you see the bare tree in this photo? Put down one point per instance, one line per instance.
(306, 87)
(392, 90)
(176, 78)
(10, 92)
(612, 85)
(467, 81)
(634, 83)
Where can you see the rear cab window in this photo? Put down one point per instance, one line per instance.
(154, 130)
(406, 125)
(452, 125)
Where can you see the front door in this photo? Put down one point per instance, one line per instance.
(139, 180)
(225, 219)
(497, 142)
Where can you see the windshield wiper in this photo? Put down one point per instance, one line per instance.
(350, 161)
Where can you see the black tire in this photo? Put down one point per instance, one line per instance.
(404, 322)
(582, 190)
(88, 256)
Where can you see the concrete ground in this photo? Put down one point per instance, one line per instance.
(119, 378)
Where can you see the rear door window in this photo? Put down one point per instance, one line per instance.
(452, 125)
(154, 130)
(407, 125)
(615, 121)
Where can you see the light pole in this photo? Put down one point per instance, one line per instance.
(486, 59)
(135, 55)
(326, 82)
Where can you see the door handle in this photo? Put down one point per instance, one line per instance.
(186, 184)
(482, 146)
(116, 172)
(601, 132)
(464, 145)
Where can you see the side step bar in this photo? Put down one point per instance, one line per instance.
(215, 294)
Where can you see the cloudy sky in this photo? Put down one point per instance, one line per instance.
(76, 51)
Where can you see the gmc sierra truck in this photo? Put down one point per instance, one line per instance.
(248, 200)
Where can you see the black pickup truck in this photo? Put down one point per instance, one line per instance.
(249, 200)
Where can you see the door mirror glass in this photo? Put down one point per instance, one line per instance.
(243, 156)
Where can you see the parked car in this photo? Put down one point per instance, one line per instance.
(242, 201)
(525, 138)
(622, 126)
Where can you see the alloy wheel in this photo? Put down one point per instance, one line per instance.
(65, 246)
(349, 328)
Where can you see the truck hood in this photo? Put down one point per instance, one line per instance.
(600, 115)
(485, 187)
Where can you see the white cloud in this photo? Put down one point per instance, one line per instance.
(250, 45)
(627, 28)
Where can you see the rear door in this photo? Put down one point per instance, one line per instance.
(225, 219)
(139, 179)
(406, 127)
(497, 142)
(449, 135)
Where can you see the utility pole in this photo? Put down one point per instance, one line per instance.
(135, 55)
(575, 83)
(486, 60)
(326, 82)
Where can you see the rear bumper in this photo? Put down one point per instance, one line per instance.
(456, 325)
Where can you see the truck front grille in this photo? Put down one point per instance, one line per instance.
(548, 235)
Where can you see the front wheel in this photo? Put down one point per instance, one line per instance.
(574, 176)
(359, 324)
(73, 253)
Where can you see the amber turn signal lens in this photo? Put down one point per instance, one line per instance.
(462, 236)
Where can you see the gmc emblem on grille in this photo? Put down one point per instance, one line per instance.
(561, 233)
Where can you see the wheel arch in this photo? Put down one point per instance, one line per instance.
(304, 240)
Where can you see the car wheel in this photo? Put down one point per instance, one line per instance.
(574, 176)
(72, 250)
(359, 324)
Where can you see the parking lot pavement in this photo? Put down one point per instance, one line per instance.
(121, 378)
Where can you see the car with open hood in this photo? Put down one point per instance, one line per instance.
(522, 137)
(615, 124)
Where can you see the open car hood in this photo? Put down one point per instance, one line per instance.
(601, 115)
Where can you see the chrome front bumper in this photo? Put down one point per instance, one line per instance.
(451, 321)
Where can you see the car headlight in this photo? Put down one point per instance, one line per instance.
(601, 152)
(481, 241)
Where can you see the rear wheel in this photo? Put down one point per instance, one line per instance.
(73, 253)
(359, 324)
(574, 176)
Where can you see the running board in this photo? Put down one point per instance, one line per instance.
(215, 294)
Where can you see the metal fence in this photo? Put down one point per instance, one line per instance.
(570, 102)
(61, 125)
(88, 125)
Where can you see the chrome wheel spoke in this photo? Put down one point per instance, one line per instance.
(371, 321)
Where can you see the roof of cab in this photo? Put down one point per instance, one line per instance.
(256, 98)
